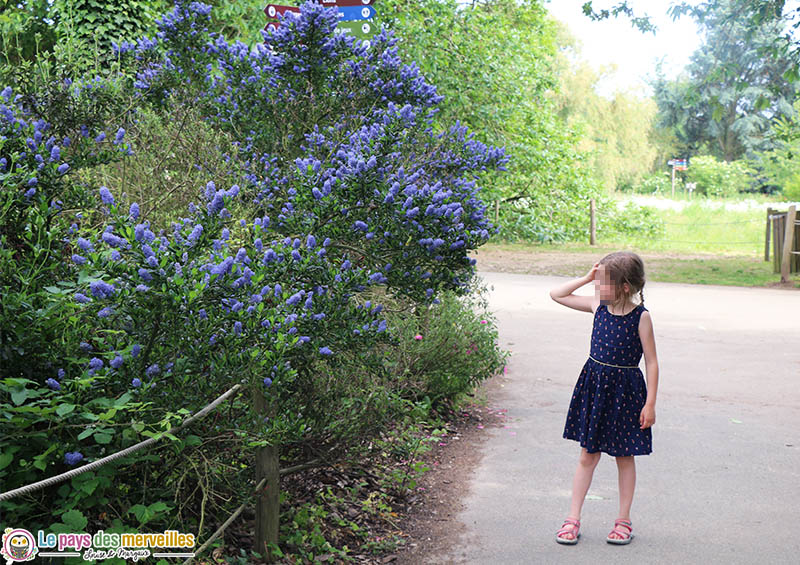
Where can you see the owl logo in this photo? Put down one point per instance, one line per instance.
(18, 545)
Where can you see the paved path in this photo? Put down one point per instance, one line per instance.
(713, 490)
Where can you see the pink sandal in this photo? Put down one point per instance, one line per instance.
(621, 540)
(573, 528)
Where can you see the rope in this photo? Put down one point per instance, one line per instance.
(100, 462)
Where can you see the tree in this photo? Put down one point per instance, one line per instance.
(731, 90)
(617, 131)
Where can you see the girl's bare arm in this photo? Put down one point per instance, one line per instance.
(650, 358)
(563, 294)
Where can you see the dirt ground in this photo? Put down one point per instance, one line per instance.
(534, 261)
(430, 522)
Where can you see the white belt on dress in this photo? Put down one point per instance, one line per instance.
(610, 365)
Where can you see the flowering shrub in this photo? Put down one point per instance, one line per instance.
(325, 129)
(115, 328)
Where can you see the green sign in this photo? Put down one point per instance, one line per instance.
(359, 29)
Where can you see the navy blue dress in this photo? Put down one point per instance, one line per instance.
(607, 400)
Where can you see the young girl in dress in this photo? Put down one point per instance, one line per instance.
(612, 409)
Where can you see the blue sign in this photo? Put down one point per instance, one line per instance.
(351, 13)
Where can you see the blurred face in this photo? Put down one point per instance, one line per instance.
(605, 286)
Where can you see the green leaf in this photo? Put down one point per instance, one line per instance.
(19, 396)
(64, 409)
(86, 433)
(102, 438)
(193, 440)
(90, 486)
(5, 458)
(75, 520)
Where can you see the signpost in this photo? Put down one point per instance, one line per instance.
(677, 165)
(355, 17)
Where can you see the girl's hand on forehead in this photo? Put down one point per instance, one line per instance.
(590, 275)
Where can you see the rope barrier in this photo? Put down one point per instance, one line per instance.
(100, 462)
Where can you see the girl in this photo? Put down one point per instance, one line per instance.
(611, 410)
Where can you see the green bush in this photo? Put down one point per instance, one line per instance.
(447, 349)
(718, 178)
(658, 183)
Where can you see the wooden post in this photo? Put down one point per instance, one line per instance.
(592, 229)
(796, 247)
(496, 210)
(268, 500)
(788, 235)
(766, 236)
(776, 243)
(673, 182)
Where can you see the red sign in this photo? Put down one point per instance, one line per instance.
(274, 10)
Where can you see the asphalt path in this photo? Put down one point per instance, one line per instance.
(723, 482)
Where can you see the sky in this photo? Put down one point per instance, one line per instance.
(635, 53)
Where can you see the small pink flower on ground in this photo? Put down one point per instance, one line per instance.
(480, 427)
(418, 337)
(442, 443)
(504, 369)
(484, 322)
(420, 488)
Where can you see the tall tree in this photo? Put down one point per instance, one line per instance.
(732, 88)
(617, 130)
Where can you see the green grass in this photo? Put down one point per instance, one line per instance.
(703, 243)
(706, 226)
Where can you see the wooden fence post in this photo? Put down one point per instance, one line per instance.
(788, 236)
(268, 500)
(766, 236)
(592, 234)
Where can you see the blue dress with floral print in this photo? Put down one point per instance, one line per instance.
(611, 390)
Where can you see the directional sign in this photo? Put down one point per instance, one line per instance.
(355, 17)
(274, 10)
(350, 13)
(359, 29)
(330, 3)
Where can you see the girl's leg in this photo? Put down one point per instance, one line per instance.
(627, 482)
(581, 482)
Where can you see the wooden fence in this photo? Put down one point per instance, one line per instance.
(784, 230)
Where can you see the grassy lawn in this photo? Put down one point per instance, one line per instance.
(705, 242)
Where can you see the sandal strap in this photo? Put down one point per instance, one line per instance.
(626, 523)
(619, 531)
(571, 521)
(574, 525)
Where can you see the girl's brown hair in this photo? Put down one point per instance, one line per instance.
(625, 267)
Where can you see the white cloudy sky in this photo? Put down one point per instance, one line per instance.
(634, 53)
